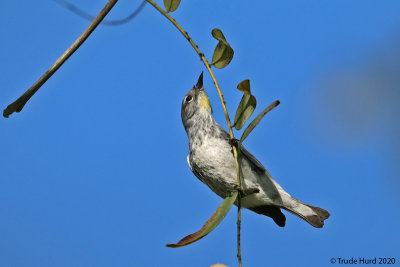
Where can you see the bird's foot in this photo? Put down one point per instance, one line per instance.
(246, 192)
(233, 142)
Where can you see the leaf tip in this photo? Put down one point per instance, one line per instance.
(216, 31)
(244, 86)
(171, 5)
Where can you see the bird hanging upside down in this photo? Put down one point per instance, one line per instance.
(211, 160)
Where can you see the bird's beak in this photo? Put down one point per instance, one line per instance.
(199, 84)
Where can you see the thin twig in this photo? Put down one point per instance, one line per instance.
(18, 104)
(186, 35)
(221, 97)
(239, 220)
(81, 13)
(236, 153)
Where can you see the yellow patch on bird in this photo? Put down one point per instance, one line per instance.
(205, 102)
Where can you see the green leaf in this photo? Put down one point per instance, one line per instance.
(217, 34)
(255, 122)
(244, 111)
(223, 53)
(171, 5)
(215, 219)
(244, 86)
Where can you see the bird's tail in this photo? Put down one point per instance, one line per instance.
(313, 215)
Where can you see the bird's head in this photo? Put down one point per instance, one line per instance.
(195, 102)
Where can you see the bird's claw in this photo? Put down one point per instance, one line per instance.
(233, 142)
(246, 192)
(250, 191)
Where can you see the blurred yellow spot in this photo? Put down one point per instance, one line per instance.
(205, 102)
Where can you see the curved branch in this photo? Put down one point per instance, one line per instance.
(19, 104)
(228, 121)
(221, 97)
(196, 48)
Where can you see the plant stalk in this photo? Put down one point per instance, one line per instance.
(239, 220)
(221, 97)
(19, 104)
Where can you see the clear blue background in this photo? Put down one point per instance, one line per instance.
(93, 171)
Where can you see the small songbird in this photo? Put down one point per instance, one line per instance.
(211, 160)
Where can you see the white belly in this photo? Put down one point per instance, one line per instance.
(213, 163)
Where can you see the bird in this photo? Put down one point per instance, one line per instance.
(212, 161)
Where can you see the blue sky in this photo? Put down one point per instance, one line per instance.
(93, 171)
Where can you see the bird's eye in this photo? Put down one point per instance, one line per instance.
(188, 99)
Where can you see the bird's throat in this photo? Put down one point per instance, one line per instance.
(205, 102)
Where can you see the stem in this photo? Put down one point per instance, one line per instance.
(239, 220)
(221, 97)
(186, 35)
(19, 104)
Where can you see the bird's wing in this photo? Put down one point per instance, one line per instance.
(188, 161)
(273, 191)
(244, 152)
(252, 159)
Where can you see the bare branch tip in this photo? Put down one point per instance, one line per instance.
(8, 111)
(5, 114)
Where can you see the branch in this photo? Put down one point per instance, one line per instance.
(81, 13)
(239, 220)
(221, 97)
(186, 35)
(19, 104)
